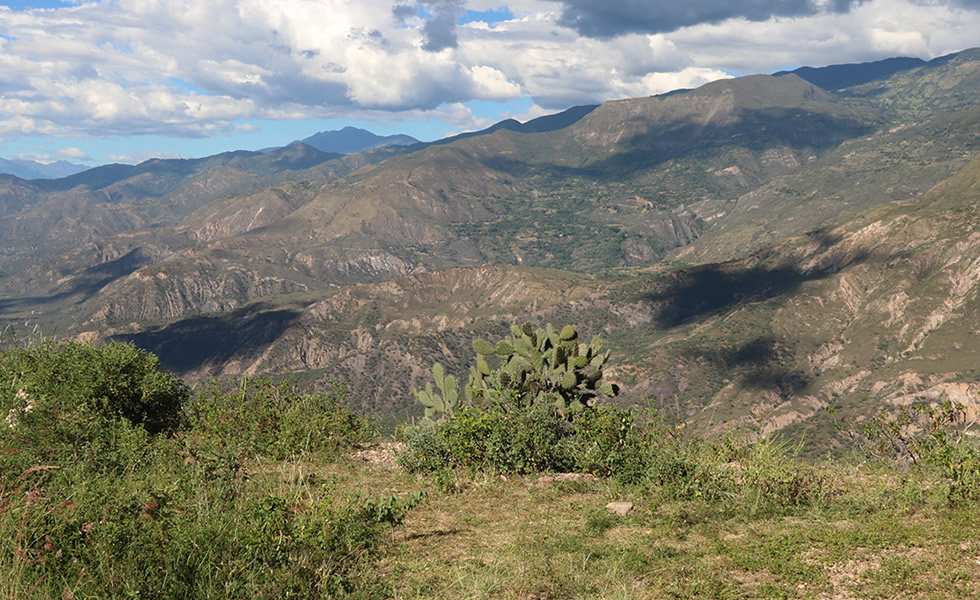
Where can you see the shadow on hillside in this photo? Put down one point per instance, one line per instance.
(759, 363)
(697, 292)
(755, 130)
(79, 291)
(193, 343)
(24, 303)
(122, 266)
(85, 284)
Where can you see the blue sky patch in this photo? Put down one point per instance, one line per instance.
(185, 86)
(29, 4)
(487, 16)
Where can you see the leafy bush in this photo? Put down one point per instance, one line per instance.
(66, 400)
(607, 443)
(161, 533)
(425, 450)
(276, 420)
(530, 439)
(928, 437)
(110, 488)
(57, 380)
(527, 440)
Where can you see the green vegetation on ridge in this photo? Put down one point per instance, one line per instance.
(253, 492)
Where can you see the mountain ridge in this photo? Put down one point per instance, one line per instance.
(745, 245)
(349, 140)
(32, 169)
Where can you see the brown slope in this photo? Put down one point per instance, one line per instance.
(380, 338)
(879, 312)
(740, 160)
(409, 213)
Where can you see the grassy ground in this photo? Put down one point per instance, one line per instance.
(879, 534)
(115, 483)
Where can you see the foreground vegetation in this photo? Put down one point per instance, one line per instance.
(117, 481)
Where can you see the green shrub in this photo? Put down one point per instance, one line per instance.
(67, 401)
(425, 450)
(530, 407)
(531, 439)
(162, 534)
(58, 380)
(276, 420)
(607, 443)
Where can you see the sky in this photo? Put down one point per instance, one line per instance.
(128, 80)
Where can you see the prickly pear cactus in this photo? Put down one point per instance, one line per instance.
(544, 365)
(439, 403)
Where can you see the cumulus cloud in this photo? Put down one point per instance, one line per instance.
(114, 68)
(874, 30)
(73, 153)
(440, 29)
(562, 69)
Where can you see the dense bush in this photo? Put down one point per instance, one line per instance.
(530, 439)
(62, 401)
(275, 419)
(526, 440)
(530, 407)
(59, 380)
(115, 484)
(535, 410)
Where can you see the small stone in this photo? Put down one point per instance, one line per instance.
(620, 508)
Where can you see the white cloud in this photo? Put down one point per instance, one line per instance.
(193, 68)
(73, 153)
(39, 157)
(491, 84)
(874, 30)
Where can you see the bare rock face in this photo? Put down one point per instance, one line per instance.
(620, 508)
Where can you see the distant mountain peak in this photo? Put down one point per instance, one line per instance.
(30, 169)
(354, 139)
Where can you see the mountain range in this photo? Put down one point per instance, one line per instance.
(32, 169)
(755, 251)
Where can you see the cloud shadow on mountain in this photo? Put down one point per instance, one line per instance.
(697, 292)
(755, 130)
(758, 360)
(193, 343)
